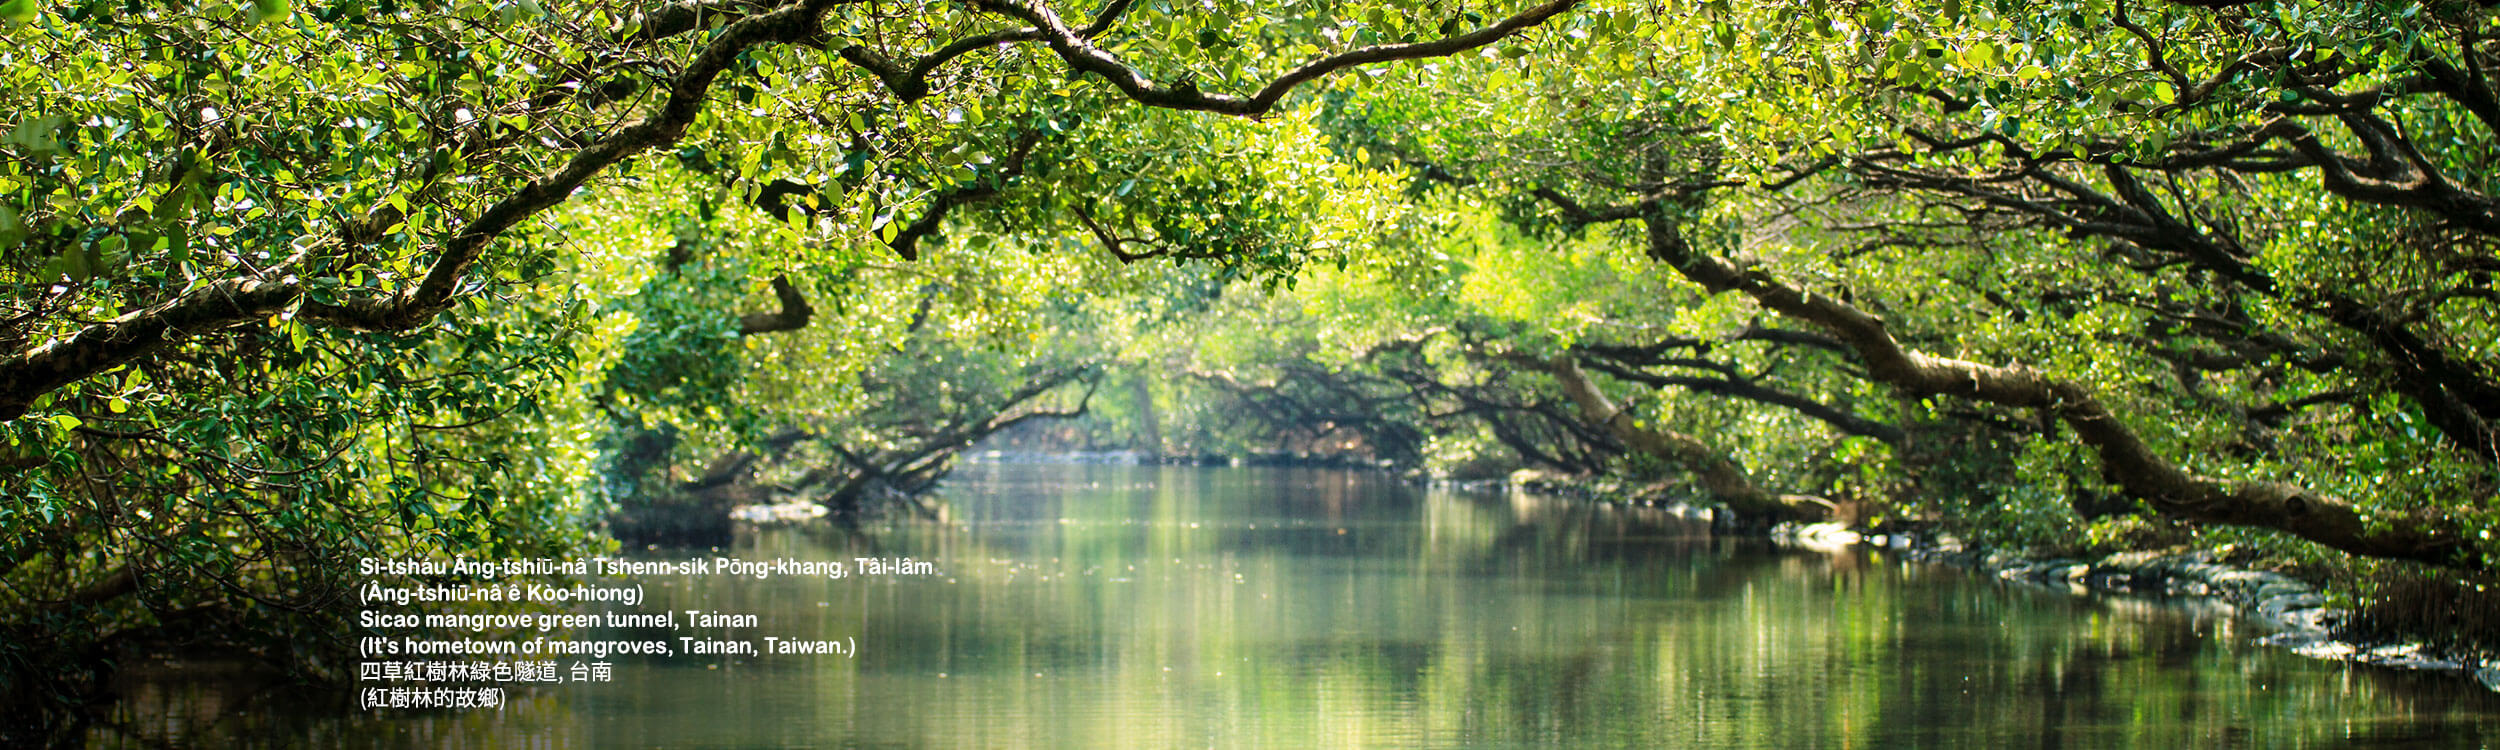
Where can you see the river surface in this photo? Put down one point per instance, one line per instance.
(1170, 607)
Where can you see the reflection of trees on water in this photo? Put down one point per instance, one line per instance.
(1524, 619)
(1153, 607)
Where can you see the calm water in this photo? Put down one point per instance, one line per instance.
(1101, 606)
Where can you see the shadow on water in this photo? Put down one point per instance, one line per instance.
(1128, 606)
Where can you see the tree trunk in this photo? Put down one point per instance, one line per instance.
(1726, 479)
(2124, 455)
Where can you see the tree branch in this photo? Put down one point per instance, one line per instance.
(1727, 480)
(906, 243)
(2125, 456)
(223, 304)
(793, 315)
(1081, 54)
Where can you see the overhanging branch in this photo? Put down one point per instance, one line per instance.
(1080, 53)
(27, 376)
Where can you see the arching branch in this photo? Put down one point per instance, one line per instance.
(1726, 479)
(223, 304)
(906, 242)
(1081, 54)
(2125, 456)
(910, 82)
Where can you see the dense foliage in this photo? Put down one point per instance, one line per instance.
(289, 285)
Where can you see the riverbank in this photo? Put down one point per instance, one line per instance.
(2296, 612)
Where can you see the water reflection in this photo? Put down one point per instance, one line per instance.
(1099, 606)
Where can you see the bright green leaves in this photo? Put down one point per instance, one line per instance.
(682, 355)
(336, 148)
(143, 153)
(267, 11)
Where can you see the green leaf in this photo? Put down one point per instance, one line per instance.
(264, 11)
(35, 133)
(177, 247)
(12, 228)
